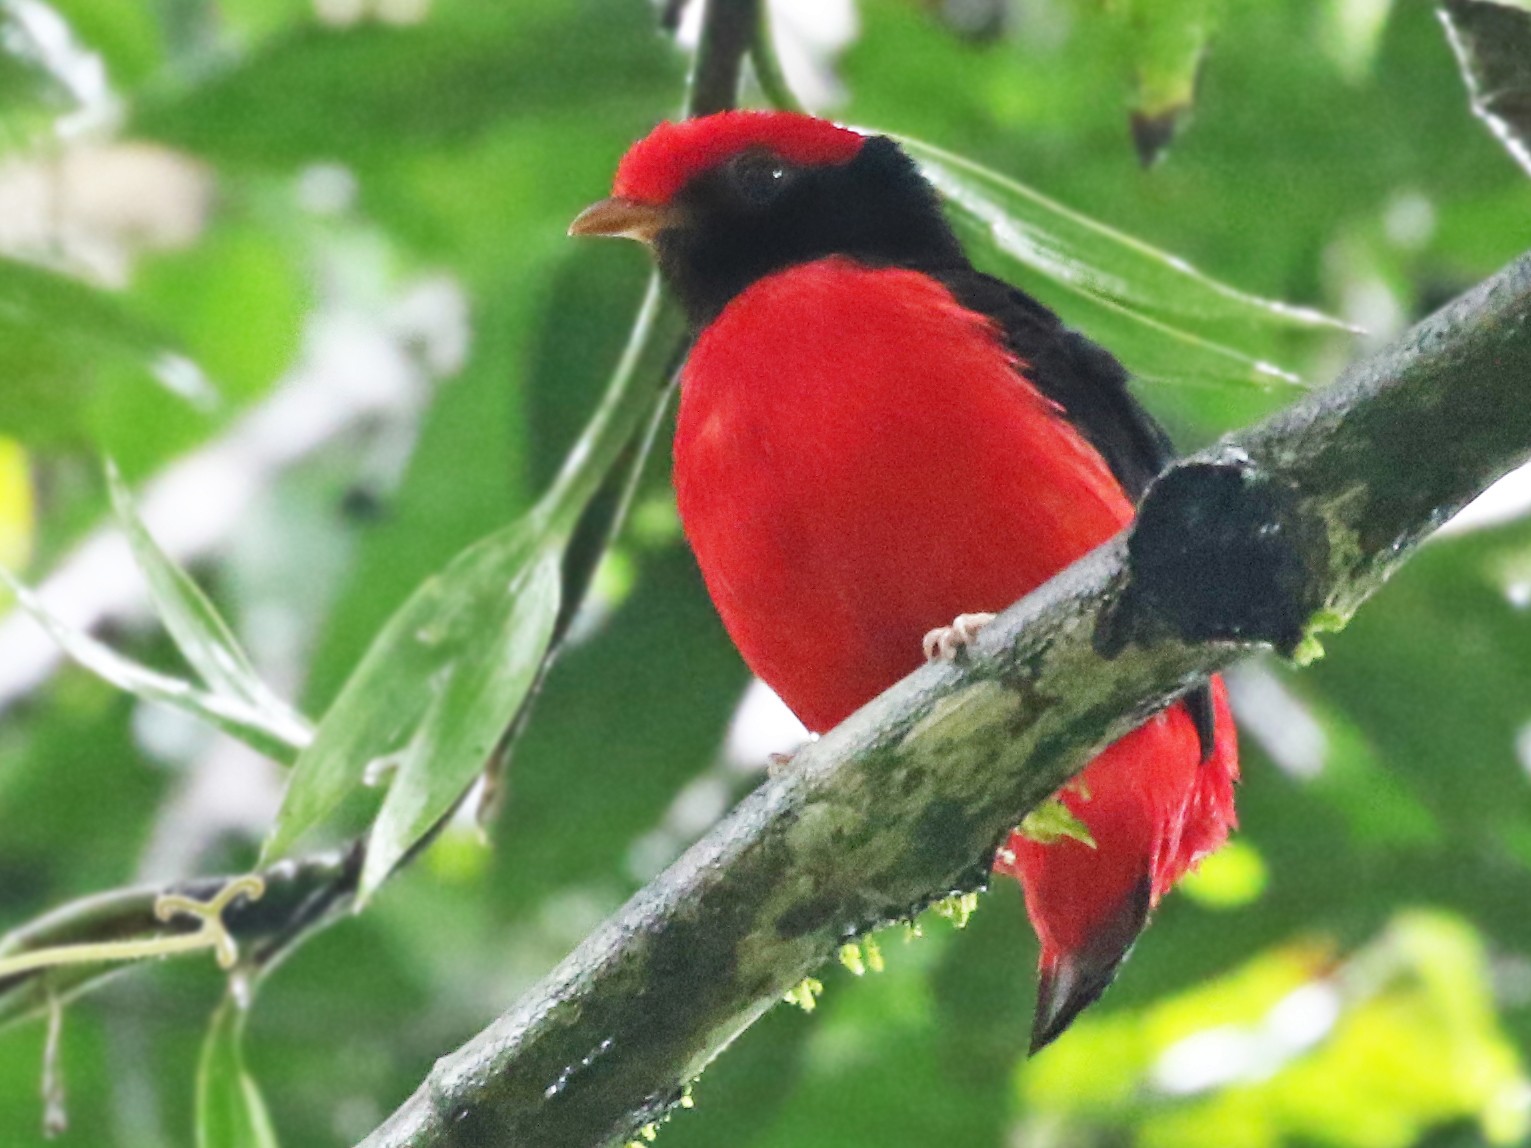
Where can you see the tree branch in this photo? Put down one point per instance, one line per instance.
(1280, 530)
(728, 30)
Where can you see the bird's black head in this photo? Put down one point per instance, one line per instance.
(728, 199)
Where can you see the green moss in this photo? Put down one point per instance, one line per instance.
(957, 908)
(805, 994)
(1051, 822)
(1311, 648)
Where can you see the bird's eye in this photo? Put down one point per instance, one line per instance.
(758, 178)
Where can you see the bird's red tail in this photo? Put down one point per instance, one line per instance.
(1153, 809)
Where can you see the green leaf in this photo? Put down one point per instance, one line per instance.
(1168, 353)
(1492, 40)
(433, 692)
(363, 94)
(61, 338)
(230, 1111)
(1093, 258)
(1178, 314)
(477, 702)
(232, 715)
(200, 633)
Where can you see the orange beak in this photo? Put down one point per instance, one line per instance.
(624, 218)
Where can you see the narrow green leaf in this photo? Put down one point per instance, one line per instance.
(1093, 258)
(1193, 358)
(452, 662)
(231, 715)
(230, 1111)
(1168, 312)
(87, 315)
(1154, 349)
(1492, 40)
(474, 705)
(199, 632)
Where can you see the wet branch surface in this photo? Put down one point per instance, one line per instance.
(1279, 531)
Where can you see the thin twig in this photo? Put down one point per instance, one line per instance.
(728, 31)
(210, 934)
(59, 954)
(767, 67)
(55, 1098)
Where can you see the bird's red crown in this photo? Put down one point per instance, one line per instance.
(669, 157)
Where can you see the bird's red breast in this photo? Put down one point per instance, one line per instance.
(858, 459)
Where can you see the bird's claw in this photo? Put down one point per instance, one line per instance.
(779, 763)
(944, 643)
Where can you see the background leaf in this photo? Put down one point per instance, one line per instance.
(379, 86)
(1171, 303)
(1169, 39)
(203, 637)
(32, 91)
(230, 1111)
(1493, 43)
(65, 345)
(232, 715)
(434, 691)
(475, 701)
(1093, 258)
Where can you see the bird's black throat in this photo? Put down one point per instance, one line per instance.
(876, 209)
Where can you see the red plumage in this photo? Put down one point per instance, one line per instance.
(857, 461)
(860, 458)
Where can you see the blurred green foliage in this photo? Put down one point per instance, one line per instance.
(389, 187)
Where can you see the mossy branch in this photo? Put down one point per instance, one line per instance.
(1280, 530)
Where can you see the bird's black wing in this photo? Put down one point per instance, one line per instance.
(1091, 386)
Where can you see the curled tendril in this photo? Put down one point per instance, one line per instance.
(213, 934)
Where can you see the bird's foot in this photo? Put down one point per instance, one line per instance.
(944, 643)
(778, 764)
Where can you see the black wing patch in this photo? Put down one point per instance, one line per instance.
(1091, 386)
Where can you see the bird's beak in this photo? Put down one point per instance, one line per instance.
(624, 218)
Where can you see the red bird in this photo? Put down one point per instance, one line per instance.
(875, 438)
